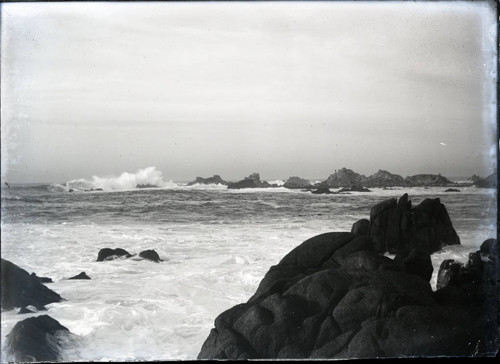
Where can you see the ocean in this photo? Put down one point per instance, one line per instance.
(217, 244)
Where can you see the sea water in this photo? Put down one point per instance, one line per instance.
(217, 244)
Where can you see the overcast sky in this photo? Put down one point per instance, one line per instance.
(283, 89)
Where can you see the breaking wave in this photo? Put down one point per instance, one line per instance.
(148, 177)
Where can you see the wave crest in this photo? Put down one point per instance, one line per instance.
(148, 177)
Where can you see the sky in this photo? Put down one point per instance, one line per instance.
(231, 88)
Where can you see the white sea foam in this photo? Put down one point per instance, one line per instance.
(147, 177)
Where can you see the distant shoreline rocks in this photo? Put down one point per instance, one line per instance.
(252, 181)
(214, 180)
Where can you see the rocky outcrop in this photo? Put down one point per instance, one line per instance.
(321, 191)
(36, 339)
(82, 275)
(488, 182)
(19, 289)
(451, 190)
(215, 180)
(252, 181)
(343, 178)
(42, 279)
(427, 180)
(111, 254)
(150, 255)
(383, 179)
(334, 297)
(361, 227)
(297, 182)
(396, 225)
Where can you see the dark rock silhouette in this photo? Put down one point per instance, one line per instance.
(421, 180)
(451, 190)
(252, 181)
(111, 254)
(383, 179)
(82, 275)
(396, 225)
(216, 179)
(297, 183)
(322, 190)
(19, 288)
(36, 339)
(150, 255)
(335, 296)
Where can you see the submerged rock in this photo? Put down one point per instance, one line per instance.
(354, 188)
(451, 190)
(82, 275)
(215, 180)
(36, 339)
(322, 190)
(19, 288)
(111, 254)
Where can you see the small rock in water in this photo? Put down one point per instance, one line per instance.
(82, 275)
(150, 255)
(27, 309)
(452, 190)
(111, 254)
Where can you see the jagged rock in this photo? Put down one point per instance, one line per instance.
(36, 339)
(297, 182)
(150, 255)
(396, 226)
(448, 268)
(361, 227)
(334, 296)
(421, 180)
(82, 275)
(111, 254)
(343, 178)
(383, 179)
(19, 288)
(215, 180)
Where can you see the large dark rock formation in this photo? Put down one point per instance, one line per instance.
(36, 339)
(252, 181)
(334, 297)
(383, 179)
(111, 254)
(343, 178)
(396, 225)
(422, 180)
(297, 182)
(215, 180)
(19, 288)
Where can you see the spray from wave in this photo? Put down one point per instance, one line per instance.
(148, 177)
